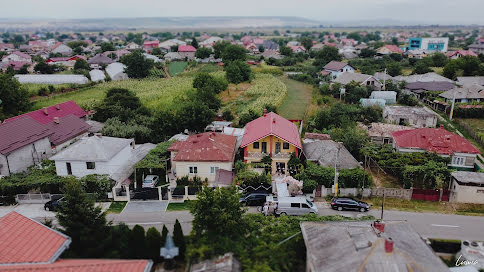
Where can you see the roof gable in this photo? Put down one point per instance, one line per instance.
(19, 133)
(335, 65)
(66, 128)
(208, 146)
(94, 148)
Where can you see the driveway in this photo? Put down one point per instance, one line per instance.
(145, 207)
(28, 210)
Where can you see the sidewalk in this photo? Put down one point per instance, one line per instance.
(37, 210)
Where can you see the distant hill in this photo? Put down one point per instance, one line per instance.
(153, 23)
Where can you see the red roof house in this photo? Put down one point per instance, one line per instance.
(151, 44)
(66, 128)
(437, 140)
(186, 48)
(47, 115)
(21, 132)
(460, 53)
(389, 49)
(27, 245)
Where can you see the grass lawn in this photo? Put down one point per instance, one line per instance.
(177, 206)
(299, 96)
(476, 124)
(174, 68)
(117, 206)
(33, 88)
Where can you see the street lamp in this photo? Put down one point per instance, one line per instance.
(339, 146)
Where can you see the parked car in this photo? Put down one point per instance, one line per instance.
(53, 205)
(297, 205)
(254, 198)
(346, 203)
(150, 181)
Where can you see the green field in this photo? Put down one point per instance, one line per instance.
(33, 88)
(154, 93)
(174, 68)
(298, 98)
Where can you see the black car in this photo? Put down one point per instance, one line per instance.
(254, 199)
(344, 203)
(53, 205)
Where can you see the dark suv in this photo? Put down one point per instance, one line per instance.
(346, 203)
(254, 199)
(53, 205)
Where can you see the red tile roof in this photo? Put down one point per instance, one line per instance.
(186, 48)
(84, 265)
(393, 48)
(20, 54)
(26, 241)
(436, 140)
(461, 52)
(271, 124)
(208, 146)
(21, 132)
(59, 110)
(68, 127)
(151, 43)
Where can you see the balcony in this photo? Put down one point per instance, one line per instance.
(260, 155)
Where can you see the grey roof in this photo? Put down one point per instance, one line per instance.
(356, 246)
(468, 177)
(382, 129)
(95, 148)
(386, 95)
(125, 170)
(324, 153)
(270, 45)
(419, 87)
(469, 92)
(97, 75)
(428, 77)
(172, 56)
(382, 76)
(406, 110)
(52, 79)
(479, 80)
(100, 59)
(95, 126)
(152, 57)
(476, 46)
(225, 263)
(335, 65)
(347, 77)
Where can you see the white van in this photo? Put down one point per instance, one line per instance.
(297, 205)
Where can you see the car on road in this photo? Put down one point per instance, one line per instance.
(53, 205)
(346, 203)
(298, 205)
(254, 198)
(150, 181)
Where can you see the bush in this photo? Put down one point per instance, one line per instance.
(43, 92)
(227, 115)
(251, 178)
(309, 186)
(238, 71)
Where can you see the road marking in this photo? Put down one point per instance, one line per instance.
(446, 226)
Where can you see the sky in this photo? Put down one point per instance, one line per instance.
(406, 12)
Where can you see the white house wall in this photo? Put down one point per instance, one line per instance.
(182, 169)
(466, 194)
(22, 158)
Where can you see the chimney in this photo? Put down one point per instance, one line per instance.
(389, 245)
(380, 226)
(56, 120)
(274, 120)
(46, 112)
(265, 112)
(441, 126)
(57, 107)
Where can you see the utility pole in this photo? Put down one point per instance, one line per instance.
(385, 80)
(340, 145)
(382, 205)
(452, 108)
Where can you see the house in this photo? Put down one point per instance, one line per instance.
(225, 263)
(437, 140)
(154, 58)
(390, 97)
(464, 94)
(270, 45)
(52, 79)
(327, 153)
(17, 56)
(66, 130)
(100, 155)
(381, 133)
(431, 44)
(28, 245)
(210, 41)
(6, 47)
(60, 48)
(116, 71)
(336, 68)
(49, 114)
(16, 65)
(99, 61)
(203, 154)
(23, 143)
(364, 80)
(467, 187)
(370, 246)
(187, 51)
(420, 88)
(475, 80)
(116, 55)
(68, 62)
(171, 56)
(271, 135)
(428, 77)
(149, 45)
(460, 53)
(419, 117)
(132, 46)
(348, 42)
(297, 48)
(477, 48)
(167, 45)
(388, 49)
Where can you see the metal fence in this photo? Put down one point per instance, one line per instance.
(36, 198)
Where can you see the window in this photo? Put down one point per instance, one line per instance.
(278, 147)
(285, 146)
(305, 206)
(69, 168)
(193, 169)
(255, 145)
(295, 205)
(458, 160)
(91, 165)
(213, 169)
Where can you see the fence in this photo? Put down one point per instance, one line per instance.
(36, 198)
(408, 194)
(430, 195)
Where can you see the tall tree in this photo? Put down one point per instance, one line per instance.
(325, 55)
(179, 238)
(13, 98)
(194, 42)
(81, 65)
(234, 52)
(307, 43)
(137, 65)
(219, 47)
(153, 243)
(203, 52)
(137, 243)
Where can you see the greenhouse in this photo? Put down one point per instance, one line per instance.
(52, 79)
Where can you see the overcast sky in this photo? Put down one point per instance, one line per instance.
(402, 11)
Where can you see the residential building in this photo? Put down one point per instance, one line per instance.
(17, 56)
(52, 79)
(60, 48)
(329, 153)
(116, 71)
(418, 117)
(381, 133)
(364, 80)
(336, 68)
(348, 42)
(388, 49)
(100, 155)
(366, 246)
(99, 61)
(171, 56)
(6, 47)
(166, 45)
(271, 135)
(431, 44)
(149, 45)
(467, 187)
(420, 88)
(66, 130)
(464, 94)
(210, 41)
(460, 53)
(461, 152)
(428, 77)
(297, 48)
(471, 80)
(49, 114)
(203, 155)
(477, 48)
(132, 46)
(16, 65)
(68, 62)
(187, 51)
(28, 245)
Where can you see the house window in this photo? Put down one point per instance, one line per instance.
(91, 165)
(255, 145)
(193, 170)
(285, 146)
(458, 160)
(213, 169)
